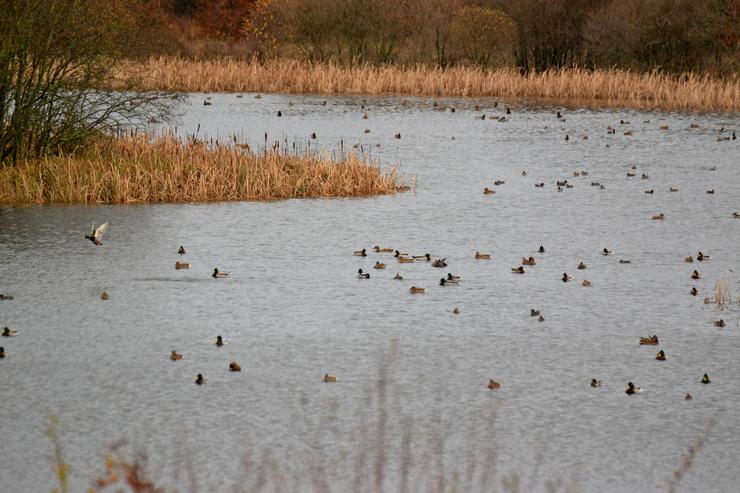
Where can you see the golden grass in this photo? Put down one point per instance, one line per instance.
(138, 168)
(602, 87)
(722, 294)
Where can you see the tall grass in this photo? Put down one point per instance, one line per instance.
(138, 168)
(607, 87)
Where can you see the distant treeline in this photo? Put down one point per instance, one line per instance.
(668, 35)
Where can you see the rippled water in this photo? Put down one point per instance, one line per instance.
(293, 309)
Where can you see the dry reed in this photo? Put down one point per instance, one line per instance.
(138, 168)
(600, 87)
(722, 294)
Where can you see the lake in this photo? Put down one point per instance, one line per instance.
(410, 410)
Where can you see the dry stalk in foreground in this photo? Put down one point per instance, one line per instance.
(603, 87)
(138, 168)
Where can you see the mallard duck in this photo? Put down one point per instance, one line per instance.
(694, 291)
(694, 125)
(2, 352)
(658, 217)
(362, 275)
(220, 341)
(96, 234)
(482, 256)
(649, 341)
(628, 133)
(451, 277)
(360, 253)
(488, 191)
(234, 366)
(695, 275)
(329, 378)
(7, 332)
(181, 265)
(561, 183)
(688, 397)
(541, 318)
(379, 265)
(586, 283)
(672, 189)
(622, 122)
(533, 312)
(689, 259)
(456, 311)
(736, 215)
(663, 127)
(400, 254)
(5, 297)
(719, 323)
(705, 379)
(426, 257)
(651, 191)
(499, 182)
(398, 135)
(595, 183)
(584, 173)
(524, 172)
(701, 257)
(581, 266)
(611, 130)
(378, 249)
(440, 262)
(398, 277)
(644, 176)
(405, 260)
(279, 113)
(313, 135)
(541, 249)
(518, 270)
(493, 384)
(415, 290)
(595, 383)
(710, 191)
(606, 252)
(200, 379)
(528, 261)
(629, 175)
(217, 273)
(660, 356)
(175, 356)
(576, 174)
(567, 137)
(207, 103)
(104, 296)
(566, 277)
(539, 185)
(181, 250)
(623, 261)
(631, 389)
(448, 282)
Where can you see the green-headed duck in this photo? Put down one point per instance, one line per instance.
(217, 273)
(448, 282)
(220, 341)
(361, 253)
(200, 379)
(631, 389)
(181, 250)
(362, 275)
(7, 332)
(660, 356)
(518, 270)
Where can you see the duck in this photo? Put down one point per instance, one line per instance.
(175, 356)
(217, 273)
(104, 296)
(710, 191)
(96, 234)
(517, 270)
(7, 332)
(313, 135)
(694, 291)
(566, 277)
(528, 261)
(482, 256)
(2, 352)
(649, 341)
(488, 191)
(719, 323)
(234, 366)
(362, 275)
(493, 384)
(5, 297)
(360, 253)
(561, 183)
(663, 127)
(415, 290)
(672, 189)
(181, 265)
(524, 172)
(631, 389)
(736, 215)
(623, 261)
(398, 277)
(405, 260)
(379, 265)
(595, 383)
(440, 262)
(644, 176)
(451, 277)
(207, 103)
(400, 254)
(426, 257)
(622, 122)
(581, 266)
(658, 217)
(456, 311)
(220, 341)
(611, 130)
(695, 275)
(586, 283)
(701, 257)
(499, 182)
(660, 356)
(451, 282)
(689, 259)
(694, 125)
(329, 378)
(200, 379)
(650, 192)
(279, 114)
(605, 252)
(181, 250)
(541, 319)
(378, 249)
(398, 135)
(629, 175)
(628, 133)
(576, 173)
(688, 397)
(539, 185)
(541, 249)
(567, 137)
(705, 379)
(533, 312)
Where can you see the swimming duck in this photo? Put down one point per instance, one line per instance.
(611, 130)
(440, 262)
(644, 176)
(329, 378)
(2, 352)
(452, 278)
(602, 187)
(175, 356)
(451, 282)
(415, 290)
(362, 275)
(688, 397)
(313, 135)
(541, 249)
(541, 319)
(234, 366)
(104, 296)
(524, 172)
(567, 137)
(181, 250)
(707, 301)
(663, 127)
(529, 261)
(650, 192)
(405, 260)
(689, 259)
(539, 185)
(581, 266)
(493, 384)
(659, 217)
(710, 191)
(561, 183)
(694, 125)
(200, 379)
(217, 273)
(499, 182)
(695, 275)
(207, 103)
(360, 253)
(9, 333)
(649, 341)
(533, 312)
(566, 277)
(379, 265)
(378, 249)
(631, 389)
(398, 277)
(426, 257)
(705, 379)
(181, 265)
(220, 341)
(400, 254)
(96, 234)
(701, 257)
(595, 383)
(606, 252)
(398, 135)
(719, 323)
(622, 122)
(629, 175)
(694, 291)
(736, 215)
(584, 173)
(586, 283)
(518, 270)
(5, 297)
(660, 356)
(576, 173)
(488, 191)
(279, 114)
(482, 256)
(456, 311)
(629, 132)
(623, 261)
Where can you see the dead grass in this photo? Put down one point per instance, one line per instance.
(603, 87)
(137, 168)
(722, 294)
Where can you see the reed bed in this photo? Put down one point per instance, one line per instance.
(139, 168)
(601, 87)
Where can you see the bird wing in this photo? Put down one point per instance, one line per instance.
(101, 229)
